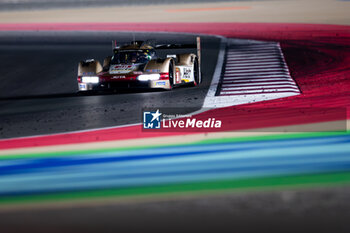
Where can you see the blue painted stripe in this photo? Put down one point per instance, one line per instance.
(37, 164)
(205, 175)
(236, 168)
(216, 161)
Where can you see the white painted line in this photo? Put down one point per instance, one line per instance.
(246, 80)
(238, 87)
(256, 50)
(275, 52)
(217, 73)
(285, 64)
(256, 81)
(260, 94)
(239, 83)
(253, 80)
(254, 46)
(258, 91)
(231, 54)
(253, 64)
(254, 67)
(244, 62)
(259, 83)
(252, 57)
(257, 72)
(271, 51)
(252, 50)
(255, 76)
(248, 62)
(243, 56)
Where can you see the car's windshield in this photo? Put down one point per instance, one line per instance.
(127, 57)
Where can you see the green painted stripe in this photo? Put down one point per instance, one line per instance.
(275, 137)
(207, 141)
(309, 180)
(77, 152)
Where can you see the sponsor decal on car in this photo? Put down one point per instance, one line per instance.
(121, 69)
(118, 77)
(178, 74)
(153, 70)
(82, 85)
(187, 73)
(88, 73)
(171, 55)
(161, 83)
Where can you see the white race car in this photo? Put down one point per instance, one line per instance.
(137, 65)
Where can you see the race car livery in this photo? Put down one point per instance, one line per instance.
(137, 65)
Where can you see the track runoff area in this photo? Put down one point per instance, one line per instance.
(127, 161)
(252, 71)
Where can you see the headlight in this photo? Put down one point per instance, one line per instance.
(146, 77)
(90, 79)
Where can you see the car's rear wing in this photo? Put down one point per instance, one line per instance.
(196, 46)
(198, 40)
(175, 46)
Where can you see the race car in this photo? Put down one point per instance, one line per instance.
(137, 65)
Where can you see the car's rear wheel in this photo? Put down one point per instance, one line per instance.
(171, 74)
(196, 74)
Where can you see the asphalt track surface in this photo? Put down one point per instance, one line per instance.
(288, 211)
(38, 90)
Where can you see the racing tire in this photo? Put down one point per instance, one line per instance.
(196, 73)
(171, 74)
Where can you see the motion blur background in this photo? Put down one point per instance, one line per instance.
(278, 11)
(282, 165)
